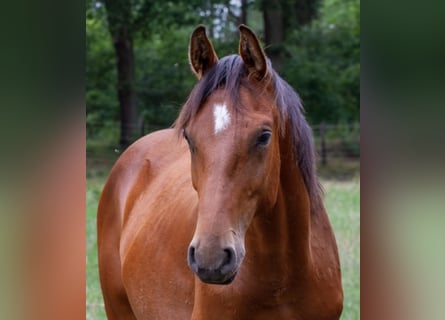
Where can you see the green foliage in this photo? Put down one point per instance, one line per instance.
(163, 76)
(101, 97)
(323, 63)
(107, 133)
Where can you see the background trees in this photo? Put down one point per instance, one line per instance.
(138, 74)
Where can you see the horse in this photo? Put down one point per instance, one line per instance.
(221, 216)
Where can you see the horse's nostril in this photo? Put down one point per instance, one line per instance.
(229, 259)
(228, 256)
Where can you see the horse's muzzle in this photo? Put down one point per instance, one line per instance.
(221, 268)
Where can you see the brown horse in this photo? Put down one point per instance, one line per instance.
(227, 223)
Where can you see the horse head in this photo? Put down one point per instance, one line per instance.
(231, 125)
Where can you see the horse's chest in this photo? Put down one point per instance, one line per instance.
(243, 311)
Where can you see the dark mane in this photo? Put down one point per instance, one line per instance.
(291, 108)
(230, 73)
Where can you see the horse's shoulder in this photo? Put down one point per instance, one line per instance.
(139, 164)
(153, 144)
(152, 150)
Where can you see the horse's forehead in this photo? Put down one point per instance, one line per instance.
(246, 104)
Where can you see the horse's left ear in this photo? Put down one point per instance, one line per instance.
(202, 56)
(251, 52)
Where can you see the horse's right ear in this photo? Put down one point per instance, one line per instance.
(202, 56)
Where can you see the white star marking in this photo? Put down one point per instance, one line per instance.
(222, 117)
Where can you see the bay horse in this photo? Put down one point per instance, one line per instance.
(221, 216)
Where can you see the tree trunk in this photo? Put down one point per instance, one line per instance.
(125, 87)
(306, 11)
(273, 31)
(243, 17)
(282, 17)
(119, 25)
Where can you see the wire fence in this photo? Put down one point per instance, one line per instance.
(336, 141)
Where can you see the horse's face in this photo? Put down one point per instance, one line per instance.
(235, 170)
(235, 164)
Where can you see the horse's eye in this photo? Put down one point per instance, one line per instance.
(264, 138)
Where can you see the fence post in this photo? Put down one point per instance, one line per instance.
(324, 158)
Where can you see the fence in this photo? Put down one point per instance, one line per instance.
(336, 141)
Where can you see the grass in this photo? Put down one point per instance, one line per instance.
(95, 309)
(342, 200)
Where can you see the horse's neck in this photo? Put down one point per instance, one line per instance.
(283, 234)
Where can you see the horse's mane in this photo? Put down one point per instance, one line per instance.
(230, 73)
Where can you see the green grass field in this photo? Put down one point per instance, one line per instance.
(94, 307)
(342, 200)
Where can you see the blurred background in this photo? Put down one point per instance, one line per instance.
(138, 75)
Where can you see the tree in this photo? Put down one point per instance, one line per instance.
(274, 30)
(317, 55)
(102, 106)
(303, 11)
(323, 63)
(280, 18)
(126, 19)
(119, 18)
